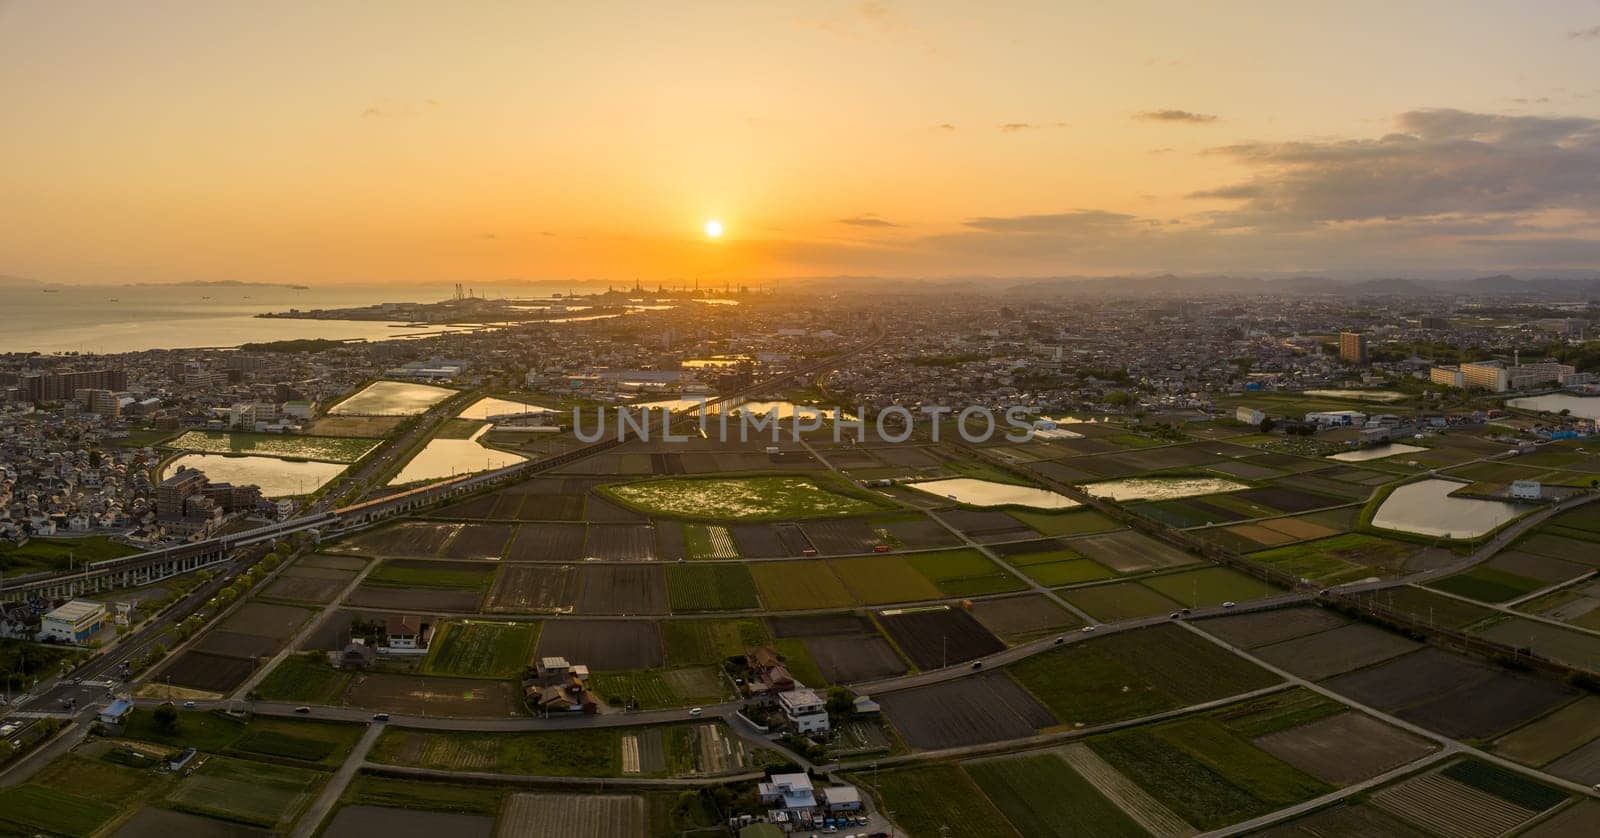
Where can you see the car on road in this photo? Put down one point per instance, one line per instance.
(1060, 640)
(1174, 615)
(697, 711)
(188, 705)
(1229, 604)
(302, 709)
(1086, 629)
(977, 664)
(380, 717)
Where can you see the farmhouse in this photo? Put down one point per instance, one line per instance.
(768, 675)
(805, 710)
(356, 655)
(791, 794)
(558, 667)
(567, 695)
(407, 635)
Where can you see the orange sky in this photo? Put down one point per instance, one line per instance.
(346, 142)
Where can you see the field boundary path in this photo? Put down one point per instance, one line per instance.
(1042, 740)
(537, 780)
(972, 544)
(1332, 797)
(293, 643)
(334, 790)
(1446, 743)
(1505, 607)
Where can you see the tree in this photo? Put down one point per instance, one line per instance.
(166, 718)
(840, 702)
(1119, 398)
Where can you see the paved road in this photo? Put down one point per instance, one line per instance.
(313, 817)
(382, 459)
(292, 645)
(1345, 793)
(1441, 740)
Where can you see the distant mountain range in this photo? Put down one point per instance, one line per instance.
(1500, 284)
(1570, 285)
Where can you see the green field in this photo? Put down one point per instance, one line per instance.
(1430, 607)
(101, 780)
(480, 649)
(589, 752)
(797, 658)
(323, 743)
(1042, 796)
(711, 587)
(878, 580)
(709, 642)
(331, 449)
(937, 800)
(49, 554)
(778, 498)
(1059, 567)
(648, 690)
(1118, 601)
(392, 792)
(1277, 711)
(34, 809)
(143, 438)
(450, 576)
(966, 572)
(708, 541)
(1206, 774)
(1208, 586)
(306, 677)
(1338, 559)
(1135, 673)
(246, 792)
(196, 728)
(791, 585)
(1488, 584)
(458, 429)
(1076, 522)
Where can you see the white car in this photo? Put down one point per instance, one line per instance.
(696, 711)
(1228, 604)
(1086, 629)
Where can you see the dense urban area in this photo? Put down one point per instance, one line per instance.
(1291, 558)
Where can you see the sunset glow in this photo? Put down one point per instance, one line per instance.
(894, 139)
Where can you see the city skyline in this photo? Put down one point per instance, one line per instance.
(333, 144)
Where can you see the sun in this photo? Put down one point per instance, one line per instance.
(714, 229)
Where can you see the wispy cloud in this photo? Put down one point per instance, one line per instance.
(1015, 127)
(1175, 115)
(1076, 221)
(870, 219)
(945, 126)
(1590, 34)
(385, 109)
